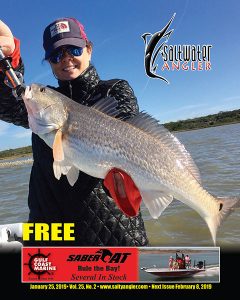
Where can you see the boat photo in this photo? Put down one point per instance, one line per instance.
(179, 264)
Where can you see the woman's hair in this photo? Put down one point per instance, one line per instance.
(89, 44)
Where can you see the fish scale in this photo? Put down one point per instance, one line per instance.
(142, 165)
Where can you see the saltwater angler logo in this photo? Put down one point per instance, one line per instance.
(174, 57)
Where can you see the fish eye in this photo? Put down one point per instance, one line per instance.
(42, 89)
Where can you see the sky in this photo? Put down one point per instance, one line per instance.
(116, 29)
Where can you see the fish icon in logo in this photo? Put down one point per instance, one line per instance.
(150, 52)
(105, 253)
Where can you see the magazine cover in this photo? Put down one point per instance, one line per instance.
(119, 147)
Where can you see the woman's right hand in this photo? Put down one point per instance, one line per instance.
(6, 39)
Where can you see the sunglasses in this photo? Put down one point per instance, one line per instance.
(56, 57)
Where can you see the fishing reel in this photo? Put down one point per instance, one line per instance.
(13, 79)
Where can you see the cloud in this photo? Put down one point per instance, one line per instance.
(186, 112)
(187, 108)
(4, 127)
(101, 44)
(42, 76)
(23, 134)
(199, 110)
(232, 99)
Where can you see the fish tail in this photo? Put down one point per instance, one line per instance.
(226, 206)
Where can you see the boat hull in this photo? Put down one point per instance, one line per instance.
(178, 273)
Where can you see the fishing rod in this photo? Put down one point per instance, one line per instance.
(13, 79)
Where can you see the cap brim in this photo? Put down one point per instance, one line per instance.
(67, 41)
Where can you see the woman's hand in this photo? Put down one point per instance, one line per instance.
(6, 39)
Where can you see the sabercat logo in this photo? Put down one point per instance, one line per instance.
(104, 255)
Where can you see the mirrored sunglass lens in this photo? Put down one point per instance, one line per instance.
(56, 57)
(76, 51)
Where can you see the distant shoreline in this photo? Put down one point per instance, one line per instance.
(16, 153)
(216, 120)
(191, 129)
(15, 156)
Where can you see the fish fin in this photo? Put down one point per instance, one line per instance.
(226, 206)
(58, 169)
(64, 168)
(59, 166)
(152, 126)
(156, 202)
(72, 175)
(58, 154)
(108, 106)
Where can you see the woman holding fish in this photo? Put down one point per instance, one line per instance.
(87, 203)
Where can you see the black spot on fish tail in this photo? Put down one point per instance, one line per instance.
(227, 205)
(220, 206)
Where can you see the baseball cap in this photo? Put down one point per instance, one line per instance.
(63, 31)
